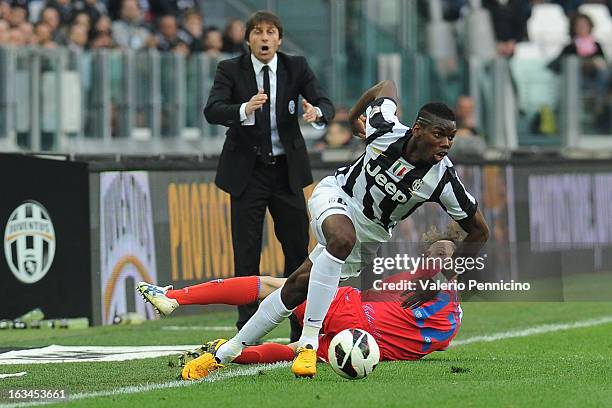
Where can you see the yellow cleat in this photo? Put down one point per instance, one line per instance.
(200, 367)
(209, 347)
(213, 345)
(305, 363)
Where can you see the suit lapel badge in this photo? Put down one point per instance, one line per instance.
(291, 107)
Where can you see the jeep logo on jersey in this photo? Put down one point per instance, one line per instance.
(29, 242)
(388, 186)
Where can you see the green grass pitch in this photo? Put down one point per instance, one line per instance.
(571, 367)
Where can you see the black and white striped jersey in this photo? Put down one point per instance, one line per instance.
(385, 187)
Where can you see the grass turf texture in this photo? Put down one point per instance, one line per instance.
(564, 368)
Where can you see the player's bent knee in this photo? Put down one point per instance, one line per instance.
(340, 235)
(341, 244)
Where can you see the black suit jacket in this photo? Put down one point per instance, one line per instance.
(235, 84)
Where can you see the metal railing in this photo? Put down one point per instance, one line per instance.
(103, 101)
(109, 101)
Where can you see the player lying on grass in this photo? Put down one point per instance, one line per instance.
(402, 334)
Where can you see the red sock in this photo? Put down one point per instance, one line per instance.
(265, 353)
(232, 291)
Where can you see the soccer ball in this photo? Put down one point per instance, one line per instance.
(353, 354)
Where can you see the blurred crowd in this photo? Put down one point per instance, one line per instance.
(179, 27)
(581, 28)
(165, 25)
(510, 17)
(506, 10)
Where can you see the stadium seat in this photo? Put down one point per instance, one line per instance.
(536, 86)
(35, 7)
(602, 30)
(528, 50)
(548, 26)
(479, 34)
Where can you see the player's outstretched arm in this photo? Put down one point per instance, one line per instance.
(478, 235)
(382, 89)
(268, 284)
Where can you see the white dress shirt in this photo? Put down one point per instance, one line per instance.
(249, 120)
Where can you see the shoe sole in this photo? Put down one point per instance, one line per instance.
(304, 375)
(139, 290)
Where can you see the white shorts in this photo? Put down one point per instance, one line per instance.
(327, 199)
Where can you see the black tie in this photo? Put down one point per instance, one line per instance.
(266, 140)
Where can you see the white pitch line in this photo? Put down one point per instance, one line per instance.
(545, 328)
(211, 328)
(134, 389)
(11, 375)
(239, 372)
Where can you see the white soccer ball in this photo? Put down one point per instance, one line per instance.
(353, 354)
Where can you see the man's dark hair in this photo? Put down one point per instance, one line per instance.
(262, 16)
(162, 16)
(438, 109)
(22, 5)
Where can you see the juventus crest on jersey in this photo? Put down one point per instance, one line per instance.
(387, 188)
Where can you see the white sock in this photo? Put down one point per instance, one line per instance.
(322, 287)
(271, 313)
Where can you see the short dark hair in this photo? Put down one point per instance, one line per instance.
(260, 17)
(574, 19)
(438, 109)
(22, 5)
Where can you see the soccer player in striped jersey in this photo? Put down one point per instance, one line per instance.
(402, 167)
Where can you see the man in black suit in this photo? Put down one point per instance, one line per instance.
(264, 162)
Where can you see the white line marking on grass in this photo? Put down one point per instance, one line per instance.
(134, 389)
(80, 354)
(21, 374)
(545, 328)
(217, 328)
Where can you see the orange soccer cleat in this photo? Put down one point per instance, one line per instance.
(305, 363)
(200, 367)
